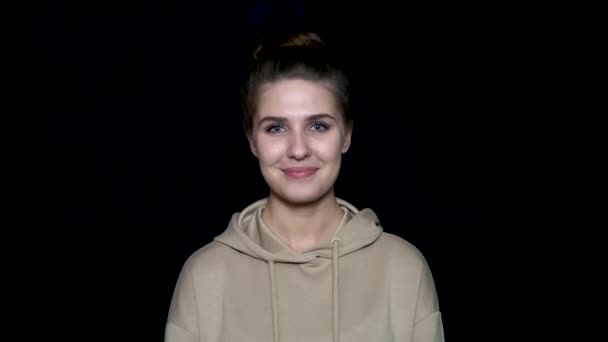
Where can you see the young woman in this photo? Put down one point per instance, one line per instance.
(302, 264)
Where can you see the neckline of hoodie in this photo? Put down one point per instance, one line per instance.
(345, 218)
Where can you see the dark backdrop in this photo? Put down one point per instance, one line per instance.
(147, 161)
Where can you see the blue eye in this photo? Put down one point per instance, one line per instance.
(273, 129)
(319, 126)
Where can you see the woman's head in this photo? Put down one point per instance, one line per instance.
(298, 55)
(297, 117)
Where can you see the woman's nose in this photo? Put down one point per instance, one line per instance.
(298, 146)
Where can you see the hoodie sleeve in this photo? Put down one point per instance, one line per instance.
(183, 317)
(428, 326)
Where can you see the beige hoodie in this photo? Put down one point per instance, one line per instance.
(361, 285)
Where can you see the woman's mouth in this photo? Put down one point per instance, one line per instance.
(300, 172)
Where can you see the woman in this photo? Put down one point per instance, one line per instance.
(301, 264)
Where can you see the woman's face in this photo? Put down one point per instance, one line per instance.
(298, 137)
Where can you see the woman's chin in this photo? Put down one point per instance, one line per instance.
(300, 198)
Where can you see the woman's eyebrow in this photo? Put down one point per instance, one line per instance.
(309, 118)
(272, 118)
(320, 116)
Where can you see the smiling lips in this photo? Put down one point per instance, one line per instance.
(300, 172)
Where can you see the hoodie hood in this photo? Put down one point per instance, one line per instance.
(248, 234)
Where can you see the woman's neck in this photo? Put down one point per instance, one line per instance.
(303, 226)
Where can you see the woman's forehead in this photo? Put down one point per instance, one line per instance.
(296, 97)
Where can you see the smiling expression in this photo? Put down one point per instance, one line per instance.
(299, 136)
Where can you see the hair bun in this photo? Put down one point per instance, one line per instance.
(270, 45)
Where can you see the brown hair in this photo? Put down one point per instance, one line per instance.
(294, 55)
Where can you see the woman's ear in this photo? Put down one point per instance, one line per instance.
(348, 133)
(252, 145)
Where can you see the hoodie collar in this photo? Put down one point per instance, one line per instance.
(247, 233)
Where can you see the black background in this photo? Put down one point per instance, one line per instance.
(147, 160)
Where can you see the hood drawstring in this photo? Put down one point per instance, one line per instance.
(335, 243)
(273, 298)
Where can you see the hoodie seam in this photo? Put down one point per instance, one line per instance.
(182, 329)
(437, 312)
(416, 320)
(195, 303)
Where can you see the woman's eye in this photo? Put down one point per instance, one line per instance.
(319, 126)
(274, 129)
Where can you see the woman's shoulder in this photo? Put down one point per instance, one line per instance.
(397, 248)
(210, 256)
